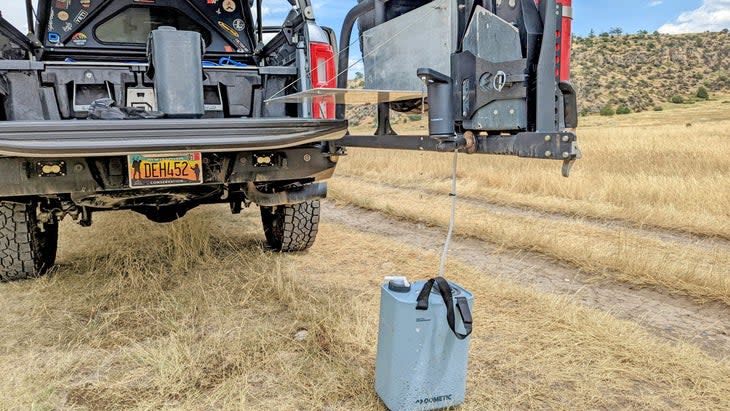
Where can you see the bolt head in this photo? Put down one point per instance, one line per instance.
(547, 139)
(566, 139)
(307, 158)
(548, 153)
(566, 155)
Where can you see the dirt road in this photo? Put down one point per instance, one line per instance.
(204, 317)
(674, 317)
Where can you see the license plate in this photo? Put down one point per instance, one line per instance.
(164, 170)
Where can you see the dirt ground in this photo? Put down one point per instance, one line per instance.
(198, 315)
(589, 293)
(673, 317)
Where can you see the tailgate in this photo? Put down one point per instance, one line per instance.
(98, 137)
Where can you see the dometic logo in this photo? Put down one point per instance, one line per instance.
(434, 400)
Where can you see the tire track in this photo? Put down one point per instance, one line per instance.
(673, 317)
(649, 231)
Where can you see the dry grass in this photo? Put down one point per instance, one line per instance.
(646, 169)
(643, 170)
(195, 315)
(606, 252)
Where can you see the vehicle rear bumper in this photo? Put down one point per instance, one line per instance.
(84, 138)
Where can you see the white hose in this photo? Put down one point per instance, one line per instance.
(452, 220)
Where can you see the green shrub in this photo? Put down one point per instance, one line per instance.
(607, 110)
(702, 93)
(658, 108)
(623, 110)
(415, 117)
(678, 100)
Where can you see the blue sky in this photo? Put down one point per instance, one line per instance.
(670, 16)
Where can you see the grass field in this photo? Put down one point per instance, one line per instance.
(643, 170)
(201, 318)
(196, 315)
(647, 168)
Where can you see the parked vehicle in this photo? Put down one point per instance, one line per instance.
(218, 142)
(160, 106)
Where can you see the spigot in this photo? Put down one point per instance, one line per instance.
(440, 104)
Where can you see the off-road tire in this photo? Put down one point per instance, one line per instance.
(26, 251)
(291, 228)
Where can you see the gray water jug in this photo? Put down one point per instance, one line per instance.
(176, 66)
(423, 344)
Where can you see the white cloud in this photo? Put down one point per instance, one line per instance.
(713, 15)
(656, 3)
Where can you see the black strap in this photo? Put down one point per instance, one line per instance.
(461, 303)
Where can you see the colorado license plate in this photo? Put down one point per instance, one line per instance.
(162, 170)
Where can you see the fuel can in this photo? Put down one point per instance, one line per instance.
(423, 344)
(176, 66)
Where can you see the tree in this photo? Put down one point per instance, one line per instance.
(702, 93)
(592, 34)
(678, 99)
(616, 31)
(623, 109)
(607, 110)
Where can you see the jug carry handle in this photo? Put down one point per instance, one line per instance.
(461, 303)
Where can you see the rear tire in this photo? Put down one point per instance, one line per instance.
(26, 251)
(291, 228)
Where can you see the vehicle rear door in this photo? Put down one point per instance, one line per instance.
(13, 39)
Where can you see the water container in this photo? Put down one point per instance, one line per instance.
(423, 344)
(176, 66)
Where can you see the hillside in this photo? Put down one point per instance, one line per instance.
(644, 70)
(641, 71)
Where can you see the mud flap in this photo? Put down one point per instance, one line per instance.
(570, 104)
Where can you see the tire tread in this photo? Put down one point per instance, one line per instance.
(292, 227)
(25, 252)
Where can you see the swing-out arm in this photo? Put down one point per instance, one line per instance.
(481, 86)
